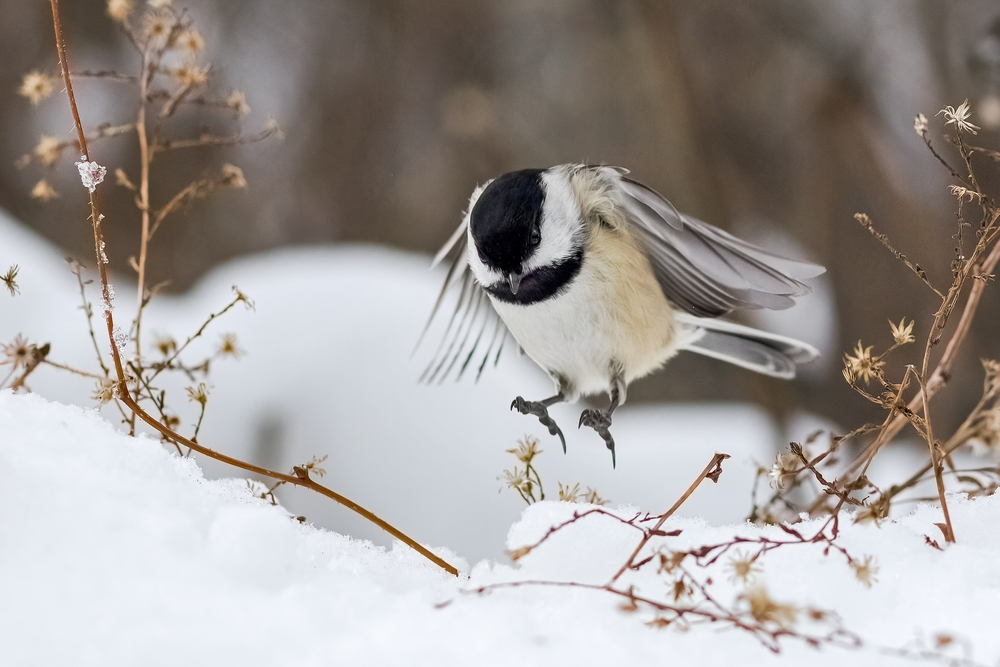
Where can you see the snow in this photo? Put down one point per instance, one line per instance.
(118, 552)
(330, 370)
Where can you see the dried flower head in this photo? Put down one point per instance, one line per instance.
(36, 86)
(744, 568)
(527, 449)
(567, 493)
(669, 561)
(865, 570)
(920, 124)
(48, 149)
(189, 75)
(764, 609)
(959, 117)
(198, 394)
(237, 101)
(233, 176)
(19, 352)
(516, 479)
(105, 390)
(119, 10)
(903, 332)
(680, 590)
(43, 191)
(593, 497)
(9, 280)
(157, 24)
(862, 364)
(191, 40)
(784, 470)
(165, 345)
(229, 347)
(240, 296)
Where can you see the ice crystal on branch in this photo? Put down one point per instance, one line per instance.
(121, 339)
(91, 173)
(108, 301)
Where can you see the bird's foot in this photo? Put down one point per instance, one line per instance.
(599, 421)
(542, 412)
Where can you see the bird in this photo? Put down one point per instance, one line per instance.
(601, 280)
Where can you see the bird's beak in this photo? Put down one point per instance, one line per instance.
(514, 280)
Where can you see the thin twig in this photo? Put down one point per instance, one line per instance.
(301, 476)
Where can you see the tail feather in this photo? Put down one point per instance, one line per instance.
(760, 351)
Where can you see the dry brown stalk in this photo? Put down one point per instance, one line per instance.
(711, 471)
(300, 476)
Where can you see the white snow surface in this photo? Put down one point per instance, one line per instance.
(116, 551)
(329, 370)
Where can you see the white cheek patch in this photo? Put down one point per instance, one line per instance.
(561, 228)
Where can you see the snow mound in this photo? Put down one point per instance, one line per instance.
(115, 551)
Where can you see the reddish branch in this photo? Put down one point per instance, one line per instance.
(300, 476)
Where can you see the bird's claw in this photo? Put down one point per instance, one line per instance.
(542, 412)
(599, 421)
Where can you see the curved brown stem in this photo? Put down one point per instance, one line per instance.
(301, 475)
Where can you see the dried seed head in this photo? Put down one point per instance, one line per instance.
(863, 365)
(237, 101)
(9, 280)
(43, 191)
(902, 333)
(105, 390)
(20, 353)
(36, 86)
(959, 117)
(764, 609)
(744, 568)
(527, 449)
(198, 394)
(233, 176)
(784, 470)
(920, 124)
(191, 40)
(865, 570)
(119, 10)
(190, 75)
(228, 347)
(48, 149)
(165, 345)
(157, 24)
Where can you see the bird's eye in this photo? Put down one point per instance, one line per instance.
(536, 236)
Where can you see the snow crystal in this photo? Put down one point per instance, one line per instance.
(121, 339)
(91, 174)
(108, 299)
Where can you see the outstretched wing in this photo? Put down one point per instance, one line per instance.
(474, 333)
(702, 269)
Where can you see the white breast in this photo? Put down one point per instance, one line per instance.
(612, 313)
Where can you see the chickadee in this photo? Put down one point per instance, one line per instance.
(601, 281)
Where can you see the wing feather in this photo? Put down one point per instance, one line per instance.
(702, 269)
(471, 314)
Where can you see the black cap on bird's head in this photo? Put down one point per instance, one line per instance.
(506, 221)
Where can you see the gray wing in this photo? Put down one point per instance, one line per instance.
(702, 269)
(474, 333)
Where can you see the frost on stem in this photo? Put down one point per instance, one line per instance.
(108, 298)
(91, 173)
(121, 339)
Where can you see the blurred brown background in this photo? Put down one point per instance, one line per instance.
(775, 120)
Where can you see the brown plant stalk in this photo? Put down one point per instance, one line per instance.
(300, 476)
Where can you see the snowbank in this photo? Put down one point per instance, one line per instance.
(329, 370)
(117, 552)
